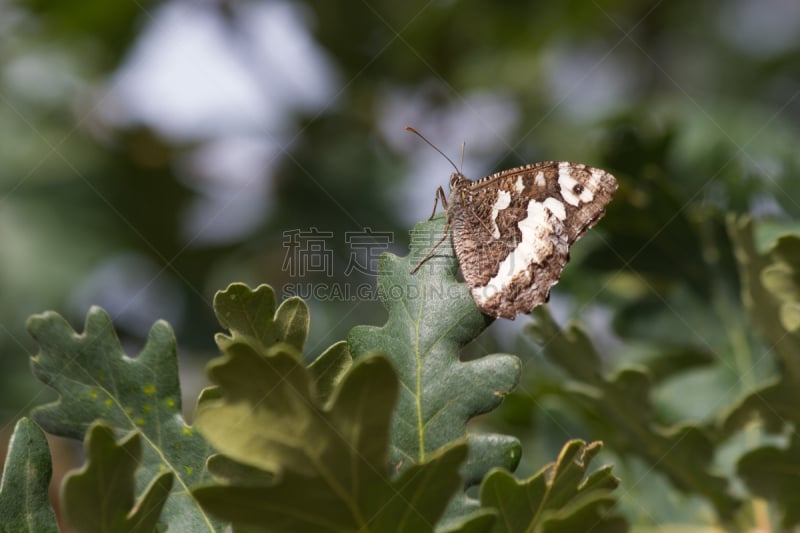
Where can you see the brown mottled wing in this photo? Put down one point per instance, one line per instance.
(512, 230)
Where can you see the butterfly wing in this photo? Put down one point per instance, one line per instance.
(512, 230)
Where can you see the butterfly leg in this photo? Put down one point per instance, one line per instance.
(435, 246)
(439, 195)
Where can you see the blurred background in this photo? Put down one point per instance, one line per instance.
(151, 153)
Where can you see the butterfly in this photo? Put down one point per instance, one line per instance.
(512, 230)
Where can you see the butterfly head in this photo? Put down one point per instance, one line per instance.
(456, 180)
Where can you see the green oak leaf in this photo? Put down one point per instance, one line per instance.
(229, 472)
(431, 317)
(772, 473)
(782, 280)
(764, 280)
(329, 368)
(96, 380)
(251, 317)
(771, 292)
(330, 462)
(764, 302)
(622, 414)
(24, 505)
(481, 522)
(99, 497)
(557, 499)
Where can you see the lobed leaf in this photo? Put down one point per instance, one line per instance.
(779, 268)
(330, 367)
(24, 504)
(431, 317)
(621, 408)
(557, 499)
(769, 292)
(99, 497)
(251, 317)
(782, 280)
(329, 462)
(95, 380)
(772, 473)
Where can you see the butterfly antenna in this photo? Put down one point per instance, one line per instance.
(418, 134)
(463, 148)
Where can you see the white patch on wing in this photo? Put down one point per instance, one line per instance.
(519, 186)
(556, 207)
(568, 183)
(502, 202)
(539, 179)
(596, 179)
(481, 295)
(534, 247)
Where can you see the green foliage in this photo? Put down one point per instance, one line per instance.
(378, 441)
(251, 317)
(26, 474)
(330, 464)
(782, 280)
(114, 27)
(557, 499)
(303, 448)
(330, 367)
(100, 496)
(307, 449)
(622, 399)
(621, 408)
(772, 473)
(687, 103)
(431, 317)
(769, 294)
(257, 346)
(372, 434)
(282, 438)
(97, 381)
